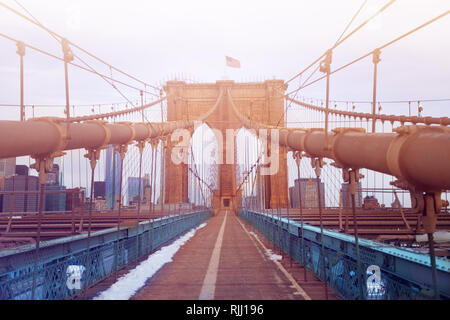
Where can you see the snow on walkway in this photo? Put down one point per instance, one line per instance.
(131, 282)
(269, 252)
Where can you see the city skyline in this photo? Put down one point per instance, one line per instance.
(210, 150)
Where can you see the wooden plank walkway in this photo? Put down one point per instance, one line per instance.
(227, 259)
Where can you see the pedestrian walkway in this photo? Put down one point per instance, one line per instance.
(228, 260)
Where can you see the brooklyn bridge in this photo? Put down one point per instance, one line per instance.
(223, 190)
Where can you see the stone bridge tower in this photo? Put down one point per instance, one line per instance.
(263, 102)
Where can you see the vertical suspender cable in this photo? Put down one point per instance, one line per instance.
(21, 53)
(298, 158)
(88, 249)
(321, 236)
(38, 239)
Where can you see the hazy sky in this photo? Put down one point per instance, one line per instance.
(158, 40)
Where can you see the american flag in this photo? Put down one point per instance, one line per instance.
(233, 63)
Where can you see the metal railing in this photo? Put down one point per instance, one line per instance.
(403, 274)
(61, 260)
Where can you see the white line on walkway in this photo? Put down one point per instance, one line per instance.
(209, 283)
(280, 266)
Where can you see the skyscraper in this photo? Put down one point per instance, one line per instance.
(99, 189)
(346, 200)
(147, 194)
(55, 201)
(112, 176)
(133, 188)
(7, 167)
(308, 193)
(53, 176)
(21, 202)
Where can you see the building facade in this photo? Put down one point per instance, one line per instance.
(346, 200)
(7, 167)
(21, 202)
(56, 200)
(309, 194)
(99, 189)
(53, 176)
(112, 176)
(133, 189)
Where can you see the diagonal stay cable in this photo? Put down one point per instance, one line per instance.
(340, 41)
(71, 63)
(76, 46)
(76, 56)
(379, 48)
